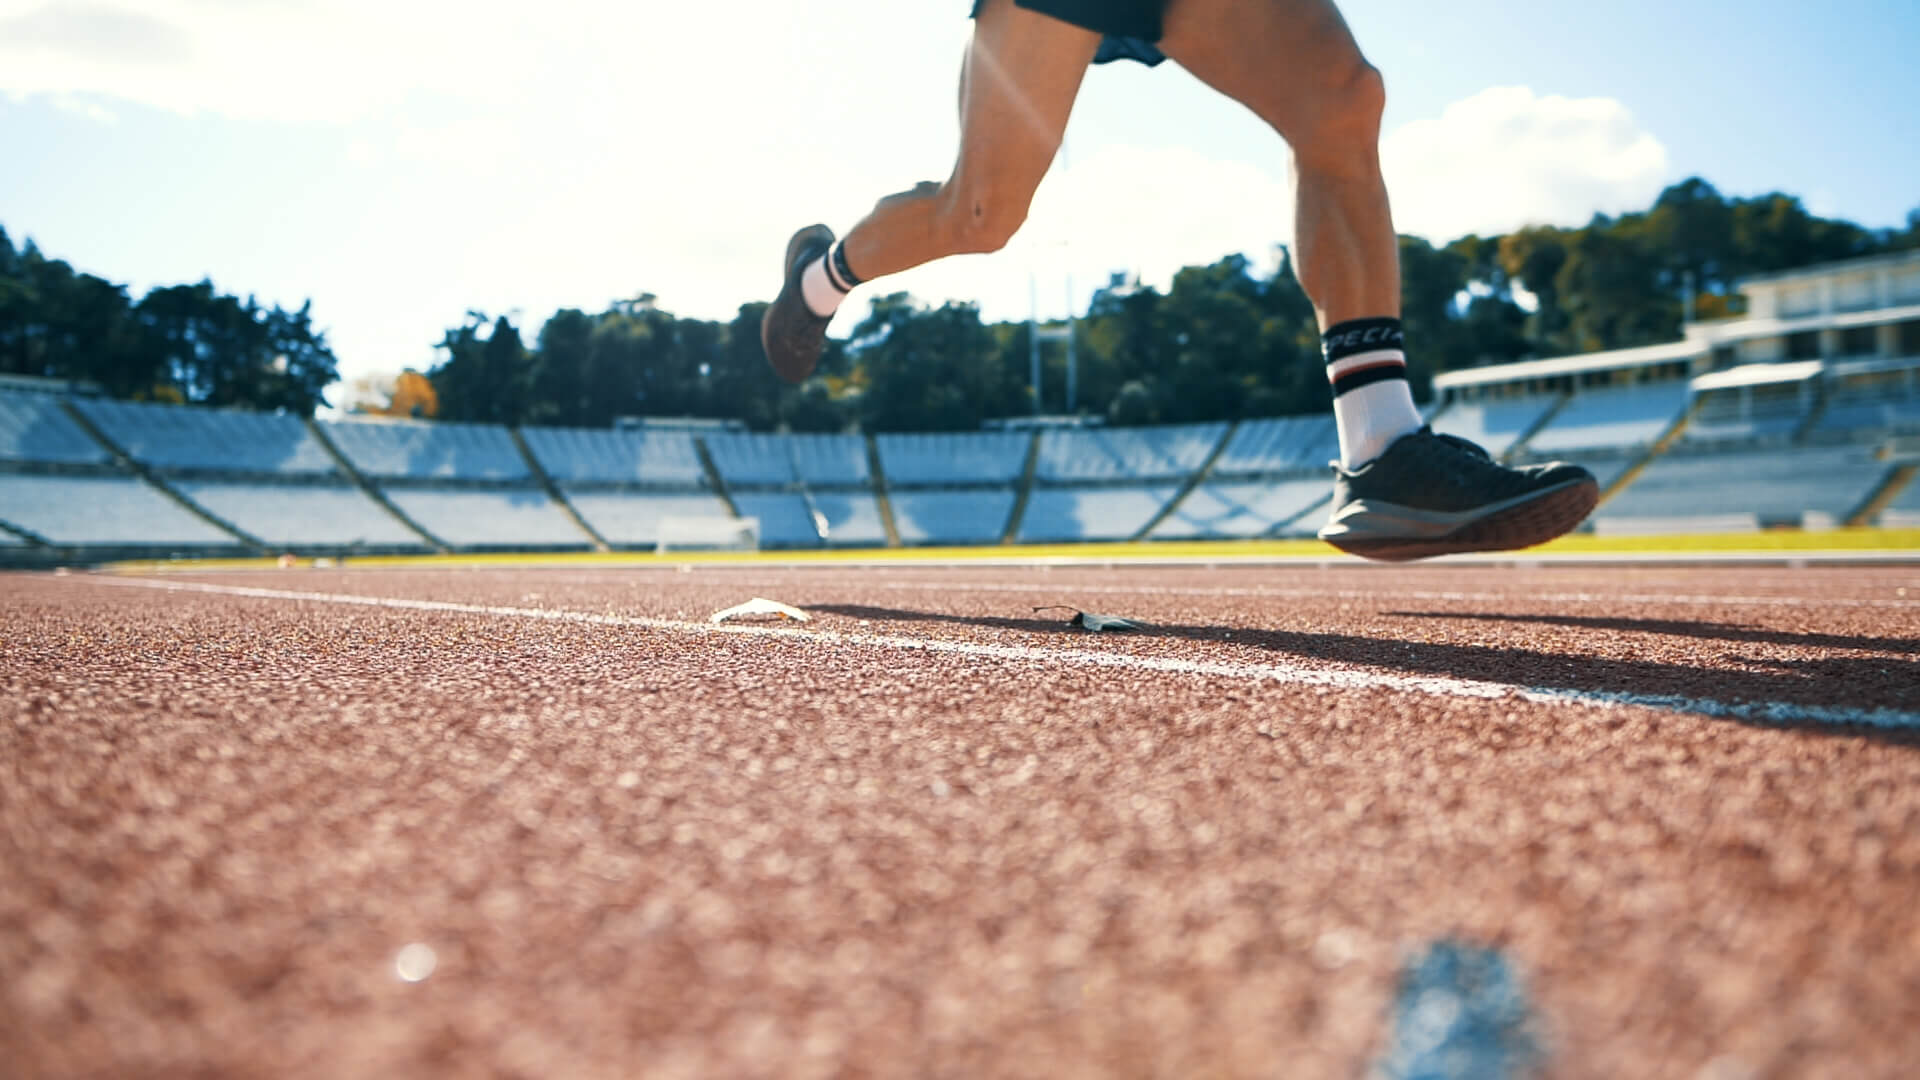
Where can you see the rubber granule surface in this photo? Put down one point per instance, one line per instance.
(549, 823)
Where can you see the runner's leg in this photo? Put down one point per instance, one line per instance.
(1021, 75)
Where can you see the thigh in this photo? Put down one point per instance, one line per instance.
(1022, 73)
(1287, 60)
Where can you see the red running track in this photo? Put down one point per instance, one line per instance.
(932, 833)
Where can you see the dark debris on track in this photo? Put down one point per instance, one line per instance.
(558, 829)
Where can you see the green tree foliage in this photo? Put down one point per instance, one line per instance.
(178, 343)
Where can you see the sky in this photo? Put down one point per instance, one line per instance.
(401, 162)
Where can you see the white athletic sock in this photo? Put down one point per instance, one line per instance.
(823, 286)
(1371, 418)
(1372, 401)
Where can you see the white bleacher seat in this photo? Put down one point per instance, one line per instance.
(600, 456)
(1148, 453)
(191, 437)
(293, 515)
(1070, 514)
(853, 518)
(831, 460)
(1494, 425)
(33, 427)
(102, 510)
(630, 519)
(951, 517)
(1775, 485)
(1286, 444)
(785, 520)
(752, 461)
(425, 450)
(1218, 510)
(986, 457)
(524, 518)
(1612, 417)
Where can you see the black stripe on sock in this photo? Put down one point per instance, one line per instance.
(838, 262)
(1367, 376)
(1357, 336)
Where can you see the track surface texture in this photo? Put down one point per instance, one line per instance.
(933, 833)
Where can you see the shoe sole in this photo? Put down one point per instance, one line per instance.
(789, 294)
(1551, 514)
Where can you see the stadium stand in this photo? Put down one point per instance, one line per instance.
(752, 461)
(1243, 509)
(826, 461)
(951, 517)
(1289, 444)
(415, 450)
(953, 460)
(1495, 425)
(1904, 511)
(1748, 415)
(490, 519)
(1612, 417)
(1104, 454)
(302, 515)
(103, 510)
(1073, 514)
(182, 437)
(852, 519)
(632, 519)
(785, 520)
(588, 456)
(34, 428)
(1805, 485)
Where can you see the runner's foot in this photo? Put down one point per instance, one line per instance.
(1433, 494)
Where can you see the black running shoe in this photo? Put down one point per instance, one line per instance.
(1435, 494)
(790, 332)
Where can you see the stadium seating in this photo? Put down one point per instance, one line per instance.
(853, 519)
(1623, 417)
(102, 510)
(1776, 486)
(1246, 509)
(951, 517)
(1099, 454)
(752, 460)
(183, 437)
(589, 456)
(1072, 514)
(300, 515)
(784, 518)
(831, 460)
(987, 457)
(1727, 416)
(630, 519)
(34, 428)
(1495, 425)
(1904, 511)
(1871, 414)
(407, 449)
(490, 519)
(1289, 444)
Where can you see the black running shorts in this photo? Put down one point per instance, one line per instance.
(1132, 27)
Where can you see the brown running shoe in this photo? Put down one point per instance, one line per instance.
(792, 335)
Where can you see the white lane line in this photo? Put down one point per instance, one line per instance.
(1775, 712)
(1258, 592)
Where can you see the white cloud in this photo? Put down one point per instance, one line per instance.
(1507, 157)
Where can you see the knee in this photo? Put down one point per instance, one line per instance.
(1347, 122)
(979, 221)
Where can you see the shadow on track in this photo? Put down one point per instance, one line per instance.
(1867, 682)
(1686, 628)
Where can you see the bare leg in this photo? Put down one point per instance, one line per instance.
(1296, 65)
(1017, 87)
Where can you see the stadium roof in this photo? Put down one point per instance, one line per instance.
(1759, 375)
(1613, 360)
